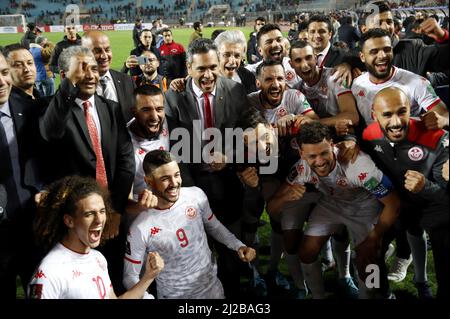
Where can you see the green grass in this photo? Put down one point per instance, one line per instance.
(121, 43)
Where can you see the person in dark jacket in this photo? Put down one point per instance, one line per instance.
(70, 39)
(29, 36)
(137, 31)
(147, 43)
(348, 33)
(253, 55)
(173, 57)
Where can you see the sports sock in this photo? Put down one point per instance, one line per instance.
(342, 253)
(295, 270)
(313, 276)
(419, 252)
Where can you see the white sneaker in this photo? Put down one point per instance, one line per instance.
(399, 268)
(389, 252)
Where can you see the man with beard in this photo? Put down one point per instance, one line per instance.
(331, 101)
(150, 74)
(377, 55)
(148, 131)
(70, 39)
(175, 226)
(232, 46)
(114, 85)
(413, 156)
(282, 108)
(355, 195)
(272, 48)
(210, 101)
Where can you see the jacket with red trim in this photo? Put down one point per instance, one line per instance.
(424, 151)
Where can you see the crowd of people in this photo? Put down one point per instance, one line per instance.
(122, 178)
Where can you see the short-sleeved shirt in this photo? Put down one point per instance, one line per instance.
(65, 274)
(346, 183)
(293, 102)
(417, 88)
(323, 96)
(178, 235)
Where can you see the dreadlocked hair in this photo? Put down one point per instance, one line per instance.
(61, 198)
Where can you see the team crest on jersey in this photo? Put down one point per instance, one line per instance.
(191, 212)
(36, 291)
(161, 148)
(164, 132)
(415, 153)
(140, 151)
(342, 182)
(281, 112)
(289, 75)
(361, 93)
(154, 231)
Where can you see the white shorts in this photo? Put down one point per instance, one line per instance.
(329, 216)
(295, 214)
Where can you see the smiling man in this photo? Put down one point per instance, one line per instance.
(217, 102)
(88, 134)
(418, 155)
(148, 131)
(175, 225)
(377, 55)
(355, 195)
(113, 85)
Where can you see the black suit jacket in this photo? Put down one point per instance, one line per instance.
(64, 126)
(248, 79)
(230, 101)
(334, 57)
(25, 115)
(125, 87)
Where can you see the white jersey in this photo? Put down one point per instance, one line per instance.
(416, 87)
(353, 182)
(293, 102)
(141, 147)
(291, 77)
(65, 274)
(323, 96)
(178, 235)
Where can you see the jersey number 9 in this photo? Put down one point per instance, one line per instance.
(181, 235)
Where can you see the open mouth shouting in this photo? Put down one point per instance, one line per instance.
(95, 234)
(395, 132)
(207, 84)
(276, 53)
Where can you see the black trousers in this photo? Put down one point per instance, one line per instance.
(225, 196)
(19, 256)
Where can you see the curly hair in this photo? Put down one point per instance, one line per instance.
(61, 198)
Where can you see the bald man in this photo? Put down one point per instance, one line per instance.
(113, 85)
(413, 156)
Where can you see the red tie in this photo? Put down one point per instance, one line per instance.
(100, 171)
(207, 111)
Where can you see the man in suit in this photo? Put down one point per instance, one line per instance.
(89, 138)
(114, 85)
(20, 172)
(320, 31)
(214, 102)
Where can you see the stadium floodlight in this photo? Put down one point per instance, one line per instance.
(13, 22)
